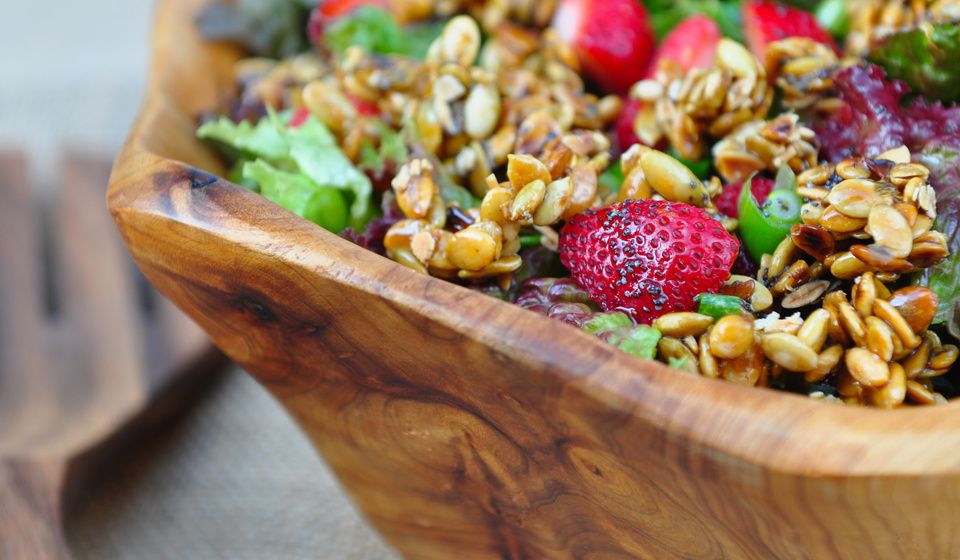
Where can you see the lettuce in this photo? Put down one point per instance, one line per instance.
(309, 150)
(323, 206)
(374, 30)
(926, 59)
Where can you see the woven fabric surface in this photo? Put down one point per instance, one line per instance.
(234, 479)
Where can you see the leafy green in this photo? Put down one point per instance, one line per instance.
(763, 227)
(606, 322)
(666, 14)
(310, 150)
(834, 16)
(374, 30)
(276, 29)
(612, 178)
(926, 59)
(640, 341)
(719, 305)
(322, 205)
(391, 152)
(263, 139)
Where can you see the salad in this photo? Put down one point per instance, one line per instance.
(766, 193)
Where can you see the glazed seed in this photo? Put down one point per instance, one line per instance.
(917, 305)
(439, 260)
(474, 248)
(747, 369)
(880, 338)
(630, 159)
(527, 201)
(847, 267)
(805, 295)
(890, 230)
(855, 198)
(919, 394)
(555, 202)
(852, 168)
(506, 265)
(902, 172)
(880, 258)
(458, 43)
(406, 258)
(915, 363)
(834, 220)
(813, 240)
(782, 256)
(400, 233)
(524, 169)
(708, 363)
(826, 362)
(635, 186)
(867, 368)
(900, 154)
(735, 57)
(798, 273)
(814, 176)
(847, 386)
(584, 178)
(887, 312)
(908, 211)
(556, 157)
(893, 393)
(672, 180)
(852, 323)
(921, 226)
(415, 188)
(494, 202)
(731, 337)
(789, 352)
(864, 294)
(679, 325)
(481, 111)
(813, 332)
(944, 359)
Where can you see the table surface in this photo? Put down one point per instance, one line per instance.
(233, 479)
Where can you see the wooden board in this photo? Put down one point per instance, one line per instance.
(468, 428)
(90, 357)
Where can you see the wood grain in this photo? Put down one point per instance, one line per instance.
(467, 428)
(76, 385)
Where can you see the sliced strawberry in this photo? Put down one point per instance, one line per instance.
(727, 202)
(691, 44)
(623, 128)
(333, 9)
(765, 22)
(299, 117)
(612, 38)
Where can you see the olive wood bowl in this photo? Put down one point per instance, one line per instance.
(464, 427)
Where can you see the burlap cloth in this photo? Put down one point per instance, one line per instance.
(234, 479)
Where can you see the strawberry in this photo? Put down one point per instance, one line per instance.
(612, 38)
(333, 9)
(765, 22)
(647, 257)
(691, 44)
(623, 128)
(299, 117)
(728, 201)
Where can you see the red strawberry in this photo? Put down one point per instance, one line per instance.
(612, 39)
(299, 117)
(728, 201)
(623, 128)
(691, 44)
(765, 22)
(647, 257)
(333, 9)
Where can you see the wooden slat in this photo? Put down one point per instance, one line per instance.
(76, 387)
(21, 306)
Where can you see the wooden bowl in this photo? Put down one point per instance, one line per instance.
(465, 427)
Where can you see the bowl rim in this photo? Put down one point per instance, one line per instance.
(849, 441)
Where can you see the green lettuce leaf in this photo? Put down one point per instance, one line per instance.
(309, 149)
(314, 150)
(374, 30)
(929, 63)
(323, 206)
(264, 139)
